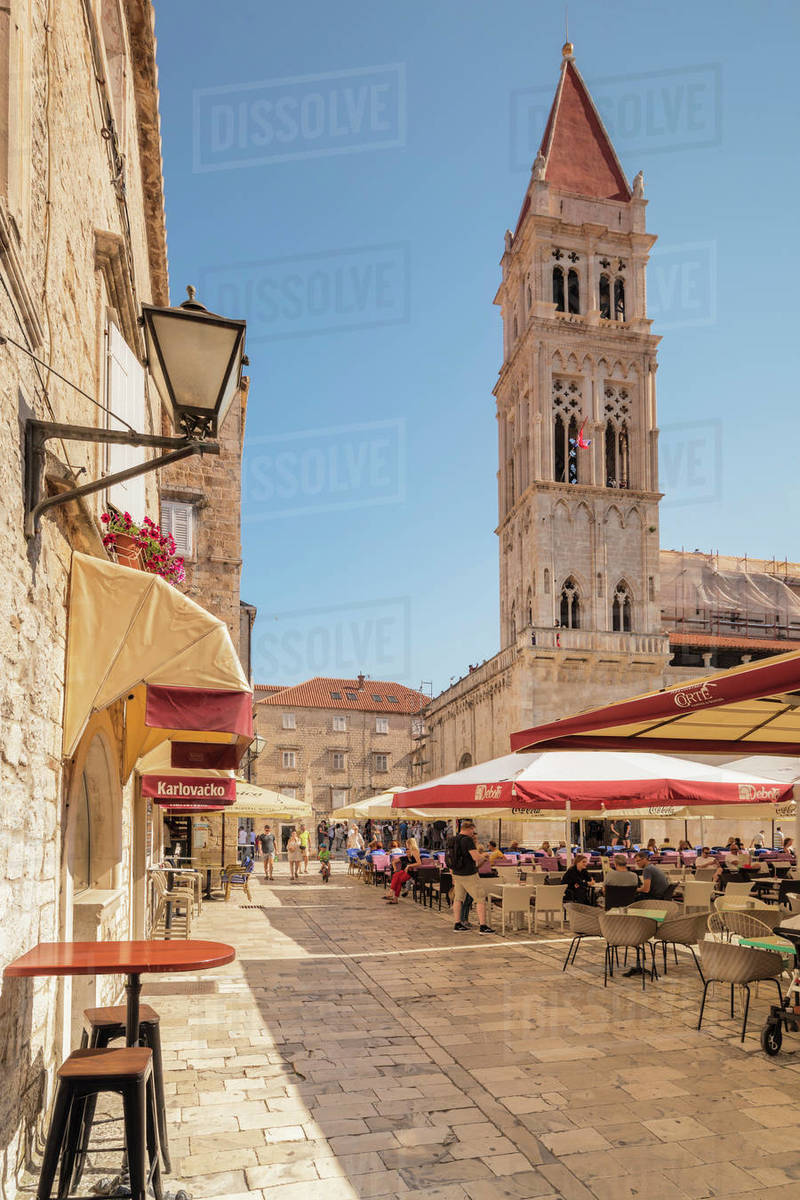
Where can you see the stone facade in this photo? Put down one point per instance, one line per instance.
(340, 754)
(82, 244)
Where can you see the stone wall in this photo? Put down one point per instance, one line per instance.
(67, 266)
(314, 741)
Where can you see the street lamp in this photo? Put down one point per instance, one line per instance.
(196, 360)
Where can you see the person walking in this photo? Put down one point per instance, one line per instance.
(295, 853)
(268, 850)
(463, 858)
(304, 839)
(322, 834)
(242, 840)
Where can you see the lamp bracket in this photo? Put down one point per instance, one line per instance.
(37, 434)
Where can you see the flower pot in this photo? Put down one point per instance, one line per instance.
(128, 553)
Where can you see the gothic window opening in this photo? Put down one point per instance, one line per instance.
(621, 609)
(573, 450)
(605, 297)
(546, 582)
(530, 297)
(570, 605)
(560, 450)
(617, 411)
(567, 405)
(573, 291)
(599, 585)
(558, 289)
(530, 607)
(619, 299)
(513, 623)
(516, 328)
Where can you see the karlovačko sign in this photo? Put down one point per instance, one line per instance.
(189, 790)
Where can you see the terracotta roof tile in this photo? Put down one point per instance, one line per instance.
(317, 693)
(733, 642)
(578, 151)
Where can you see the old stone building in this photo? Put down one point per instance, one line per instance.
(335, 741)
(82, 247)
(591, 609)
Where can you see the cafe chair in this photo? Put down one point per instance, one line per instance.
(103, 1026)
(705, 874)
(670, 907)
(547, 900)
(584, 922)
(86, 1074)
(422, 887)
(686, 930)
(237, 876)
(697, 896)
(740, 891)
(725, 962)
(442, 887)
(181, 904)
(513, 900)
(631, 932)
(619, 897)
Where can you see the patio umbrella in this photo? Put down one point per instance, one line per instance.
(379, 808)
(596, 783)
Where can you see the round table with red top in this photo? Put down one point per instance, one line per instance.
(131, 959)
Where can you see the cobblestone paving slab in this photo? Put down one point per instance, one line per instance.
(358, 1050)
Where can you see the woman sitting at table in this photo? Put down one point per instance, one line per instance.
(652, 846)
(546, 849)
(578, 882)
(412, 854)
(684, 845)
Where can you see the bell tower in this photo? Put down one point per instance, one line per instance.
(576, 398)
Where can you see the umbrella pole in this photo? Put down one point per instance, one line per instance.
(500, 833)
(582, 834)
(702, 835)
(568, 839)
(796, 798)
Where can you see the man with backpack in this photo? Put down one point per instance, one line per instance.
(463, 859)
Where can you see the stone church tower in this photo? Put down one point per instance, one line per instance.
(576, 409)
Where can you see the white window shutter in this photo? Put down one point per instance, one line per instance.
(125, 396)
(177, 518)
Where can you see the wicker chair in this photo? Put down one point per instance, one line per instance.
(584, 922)
(682, 931)
(632, 932)
(723, 962)
(671, 907)
(697, 895)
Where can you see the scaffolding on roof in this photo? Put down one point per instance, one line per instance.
(699, 595)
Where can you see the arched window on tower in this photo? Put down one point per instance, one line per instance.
(558, 289)
(621, 609)
(530, 297)
(516, 328)
(611, 454)
(546, 582)
(619, 299)
(573, 291)
(512, 627)
(570, 605)
(529, 606)
(573, 449)
(605, 297)
(559, 450)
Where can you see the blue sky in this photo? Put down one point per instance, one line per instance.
(342, 176)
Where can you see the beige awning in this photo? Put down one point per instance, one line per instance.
(253, 801)
(133, 636)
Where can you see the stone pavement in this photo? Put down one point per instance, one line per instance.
(357, 1049)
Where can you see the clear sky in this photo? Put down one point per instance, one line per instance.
(342, 176)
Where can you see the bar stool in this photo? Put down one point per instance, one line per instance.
(108, 1025)
(81, 1077)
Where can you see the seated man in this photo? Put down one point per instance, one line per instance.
(620, 875)
(655, 883)
(495, 855)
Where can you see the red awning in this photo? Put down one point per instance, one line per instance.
(750, 709)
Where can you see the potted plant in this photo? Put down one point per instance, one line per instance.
(144, 547)
(122, 536)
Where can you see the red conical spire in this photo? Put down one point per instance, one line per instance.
(577, 150)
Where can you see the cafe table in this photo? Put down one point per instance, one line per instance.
(131, 959)
(659, 915)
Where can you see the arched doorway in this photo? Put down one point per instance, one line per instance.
(465, 761)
